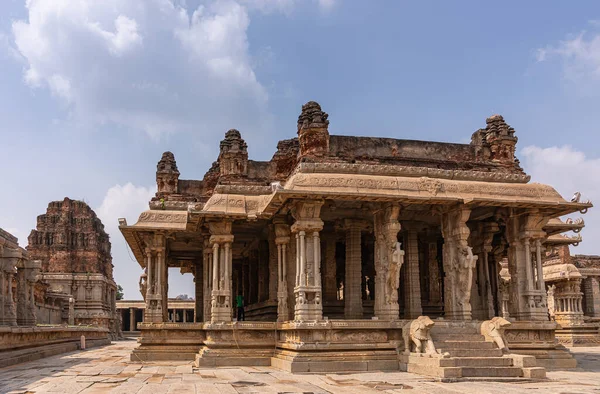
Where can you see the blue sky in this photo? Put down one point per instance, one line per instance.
(93, 92)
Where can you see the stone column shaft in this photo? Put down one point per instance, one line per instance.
(591, 291)
(352, 293)
(132, 319)
(329, 270)
(389, 259)
(413, 307)
(221, 300)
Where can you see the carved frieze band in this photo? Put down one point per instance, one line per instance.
(418, 186)
(163, 217)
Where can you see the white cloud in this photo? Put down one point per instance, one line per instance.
(100, 57)
(124, 201)
(580, 56)
(327, 5)
(569, 170)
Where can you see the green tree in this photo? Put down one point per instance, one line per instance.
(119, 292)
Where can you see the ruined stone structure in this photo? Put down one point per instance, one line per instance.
(131, 312)
(25, 302)
(574, 294)
(338, 242)
(18, 277)
(76, 263)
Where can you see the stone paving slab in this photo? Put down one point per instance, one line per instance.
(108, 370)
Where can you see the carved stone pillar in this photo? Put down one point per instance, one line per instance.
(282, 239)
(207, 280)
(307, 291)
(221, 240)
(459, 264)
(388, 262)
(329, 269)
(352, 283)
(528, 295)
(156, 297)
(273, 267)
(591, 291)
(413, 307)
(435, 279)
(199, 287)
(8, 271)
(27, 276)
(481, 294)
(132, 326)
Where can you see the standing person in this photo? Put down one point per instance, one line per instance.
(240, 307)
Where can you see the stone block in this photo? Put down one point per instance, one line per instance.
(534, 373)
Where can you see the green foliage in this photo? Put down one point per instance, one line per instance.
(120, 294)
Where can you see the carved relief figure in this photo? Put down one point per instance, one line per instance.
(417, 338)
(465, 267)
(393, 273)
(494, 330)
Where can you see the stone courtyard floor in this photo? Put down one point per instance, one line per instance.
(108, 370)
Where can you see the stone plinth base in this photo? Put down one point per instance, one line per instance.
(237, 344)
(536, 338)
(21, 344)
(338, 345)
(168, 341)
(336, 361)
(243, 357)
(584, 334)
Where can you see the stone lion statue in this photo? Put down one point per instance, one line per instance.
(494, 330)
(417, 333)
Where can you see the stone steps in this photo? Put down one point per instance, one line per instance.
(472, 352)
(482, 345)
(483, 362)
(457, 337)
(485, 371)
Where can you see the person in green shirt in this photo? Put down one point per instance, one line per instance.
(239, 300)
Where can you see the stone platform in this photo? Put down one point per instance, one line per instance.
(351, 346)
(21, 344)
(109, 370)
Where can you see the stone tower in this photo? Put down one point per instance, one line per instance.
(74, 251)
(496, 142)
(313, 133)
(233, 155)
(167, 175)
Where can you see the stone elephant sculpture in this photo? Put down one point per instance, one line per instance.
(494, 330)
(417, 338)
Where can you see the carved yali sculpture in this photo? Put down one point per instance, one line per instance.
(417, 338)
(494, 330)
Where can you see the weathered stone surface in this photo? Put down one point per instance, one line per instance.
(76, 263)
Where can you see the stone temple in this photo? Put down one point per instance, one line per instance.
(74, 251)
(356, 254)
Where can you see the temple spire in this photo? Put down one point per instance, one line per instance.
(313, 133)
